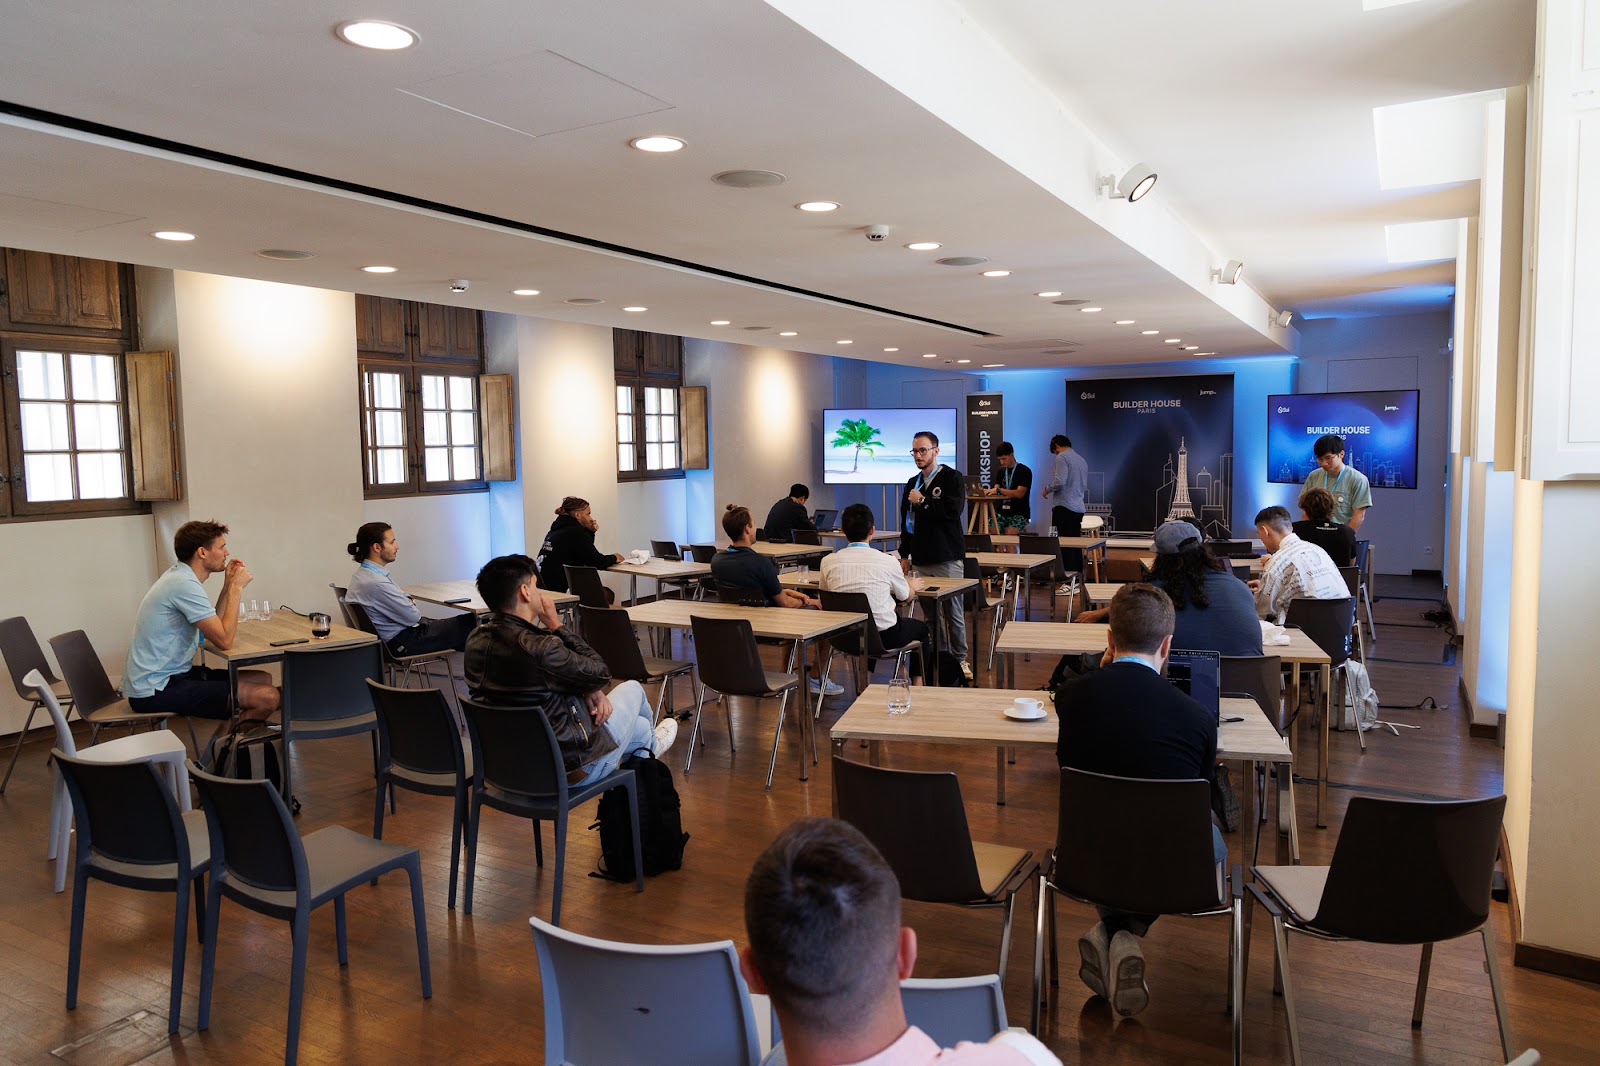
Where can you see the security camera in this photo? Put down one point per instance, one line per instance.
(877, 233)
(459, 285)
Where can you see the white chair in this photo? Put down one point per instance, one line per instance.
(159, 746)
(666, 1004)
(1092, 522)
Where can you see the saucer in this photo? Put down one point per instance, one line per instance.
(1015, 715)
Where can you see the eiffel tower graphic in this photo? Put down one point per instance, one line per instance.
(1180, 497)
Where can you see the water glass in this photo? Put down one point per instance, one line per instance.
(899, 696)
(266, 610)
(253, 611)
(1052, 532)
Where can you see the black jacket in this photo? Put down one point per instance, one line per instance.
(785, 517)
(568, 544)
(1127, 720)
(514, 663)
(936, 534)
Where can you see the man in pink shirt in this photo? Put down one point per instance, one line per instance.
(822, 911)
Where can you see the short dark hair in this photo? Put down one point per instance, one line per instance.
(822, 911)
(369, 534)
(1141, 618)
(1275, 517)
(799, 491)
(192, 536)
(735, 519)
(1060, 440)
(1005, 448)
(933, 438)
(1317, 504)
(1328, 444)
(857, 522)
(501, 577)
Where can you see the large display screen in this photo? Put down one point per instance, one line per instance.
(872, 445)
(1379, 431)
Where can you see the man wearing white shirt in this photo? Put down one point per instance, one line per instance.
(859, 567)
(1298, 568)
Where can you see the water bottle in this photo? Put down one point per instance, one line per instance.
(1052, 532)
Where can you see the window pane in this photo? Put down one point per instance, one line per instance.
(94, 377)
(44, 427)
(624, 457)
(463, 427)
(41, 376)
(624, 399)
(100, 476)
(462, 394)
(669, 456)
(435, 428)
(669, 428)
(652, 401)
(385, 390)
(669, 401)
(48, 477)
(652, 427)
(652, 457)
(464, 464)
(98, 427)
(624, 429)
(433, 391)
(391, 466)
(436, 464)
(388, 429)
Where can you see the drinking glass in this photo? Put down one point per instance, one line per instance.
(266, 610)
(321, 625)
(254, 611)
(899, 696)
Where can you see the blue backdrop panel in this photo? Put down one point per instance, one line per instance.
(1379, 431)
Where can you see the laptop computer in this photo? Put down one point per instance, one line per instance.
(825, 520)
(1198, 673)
(1233, 549)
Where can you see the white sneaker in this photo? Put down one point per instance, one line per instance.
(1095, 951)
(966, 669)
(827, 688)
(1067, 589)
(666, 733)
(1129, 993)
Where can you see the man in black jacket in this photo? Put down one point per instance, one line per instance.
(788, 515)
(932, 540)
(1126, 720)
(570, 542)
(511, 662)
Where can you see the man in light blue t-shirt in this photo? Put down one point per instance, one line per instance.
(160, 675)
(1351, 492)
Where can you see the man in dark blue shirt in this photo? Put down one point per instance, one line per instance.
(788, 515)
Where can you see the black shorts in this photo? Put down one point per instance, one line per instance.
(203, 692)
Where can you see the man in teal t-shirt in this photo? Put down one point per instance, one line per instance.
(1352, 495)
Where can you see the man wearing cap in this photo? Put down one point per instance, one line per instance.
(1352, 494)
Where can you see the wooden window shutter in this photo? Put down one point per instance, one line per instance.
(696, 445)
(498, 417)
(153, 426)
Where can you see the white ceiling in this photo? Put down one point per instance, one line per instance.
(559, 88)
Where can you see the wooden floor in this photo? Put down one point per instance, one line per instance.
(1355, 1001)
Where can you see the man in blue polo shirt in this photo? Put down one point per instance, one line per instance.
(160, 676)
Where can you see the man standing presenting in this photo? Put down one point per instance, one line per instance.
(1298, 568)
(398, 622)
(159, 677)
(932, 541)
(1067, 492)
(1352, 494)
(1012, 486)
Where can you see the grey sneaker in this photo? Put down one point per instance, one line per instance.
(666, 733)
(1129, 993)
(828, 687)
(1094, 948)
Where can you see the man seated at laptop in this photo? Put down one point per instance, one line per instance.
(396, 618)
(822, 913)
(859, 567)
(1318, 527)
(1126, 720)
(788, 515)
(1298, 569)
(740, 566)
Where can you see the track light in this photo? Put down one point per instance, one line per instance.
(1228, 273)
(1138, 180)
(1281, 319)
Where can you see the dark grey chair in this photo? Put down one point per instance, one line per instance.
(94, 697)
(1364, 564)
(981, 605)
(609, 632)
(22, 653)
(849, 640)
(420, 749)
(260, 862)
(741, 595)
(520, 772)
(584, 582)
(1056, 574)
(1328, 624)
(980, 542)
(1142, 847)
(397, 669)
(730, 664)
(1439, 892)
(130, 833)
(1352, 581)
(916, 820)
(804, 536)
(704, 553)
(325, 695)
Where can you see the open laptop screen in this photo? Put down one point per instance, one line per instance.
(826, 520)
(1199, 673)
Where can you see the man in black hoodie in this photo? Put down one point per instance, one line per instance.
(570, 542)
(932, 540)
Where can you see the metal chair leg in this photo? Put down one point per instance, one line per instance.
(1280, 937)
(1422, 986)
(16, 752)
(694, 732)
(777, 734)
(1005, 938)
(1500, 1017)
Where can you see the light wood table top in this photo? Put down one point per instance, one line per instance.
(1084, 638)
(878, 535)
(782, 623)
(1086, 543)
(1101, 592)
(464, 595)
(933, 587)
(663, 568)
(1138, 544)
(1010, 560)
(253, 641)
(783, 552)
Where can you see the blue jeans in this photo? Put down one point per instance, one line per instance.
(1139, 924)
(631, 725)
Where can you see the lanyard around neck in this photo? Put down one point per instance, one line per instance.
(1336, 480)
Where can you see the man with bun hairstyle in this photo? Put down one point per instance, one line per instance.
(570, 542)
(396, 618)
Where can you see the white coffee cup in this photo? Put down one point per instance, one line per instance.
(1023, 707)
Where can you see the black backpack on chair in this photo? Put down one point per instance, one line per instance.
(661, 835)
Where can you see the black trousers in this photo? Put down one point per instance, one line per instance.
(434, 634)
(1069, 524)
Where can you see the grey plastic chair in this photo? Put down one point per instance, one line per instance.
(609, 632)
(1439, 892)
(1352, 581)
(1142, 847)
(584, 582)
(419, 749)
(849, 640)
(22, 653)
(979, 542)
(94, 697)
(397, 669)
(521, 772)
(1328, 624)
(730, 664)
(325, 695)
(1363, 564)
(805, 536)
(131, 833)
(953, 1009)
(260, 862)
(666, 1004)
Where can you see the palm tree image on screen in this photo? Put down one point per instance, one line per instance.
(855, 432)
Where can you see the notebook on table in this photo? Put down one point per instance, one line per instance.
(1198, 673)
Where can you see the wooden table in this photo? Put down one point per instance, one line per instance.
(1089, 638)
(464, 595)
(1023, 564)
(786, 554)
(804, 627)
(660, 570)
(1093, 548)
(1101, 592)
(981, 514)
(936, 589)
(254, 639)
(975, 717)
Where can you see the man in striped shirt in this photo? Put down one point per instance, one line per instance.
(859, 567)
(1298, 568)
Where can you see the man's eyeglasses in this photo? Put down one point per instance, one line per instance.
(920, 451)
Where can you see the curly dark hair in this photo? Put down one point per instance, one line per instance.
(1183, 575)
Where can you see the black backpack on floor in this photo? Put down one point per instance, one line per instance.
(661, 835)
(251, 751)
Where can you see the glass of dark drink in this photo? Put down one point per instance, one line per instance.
(320, 625)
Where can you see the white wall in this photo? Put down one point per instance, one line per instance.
(442, 538)
(1487, 602)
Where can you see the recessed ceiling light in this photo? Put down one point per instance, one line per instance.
(1090, 310)
(891, 349)
(991, 366)
(1124, 321)
(997, 273)
(931, 355)
(379, 269)
(923, 246)
(636, 309)
(818, 205)
(720, 322)
(844, 342)
(963, 360)
(1048, 295)
(659, 142)
(285, 255)
(376, 34)
(1173, 340)
(524, 292)
(1208, 353)
(1191, 347)
(1149, 332)
(172, 235)
(789, 333)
